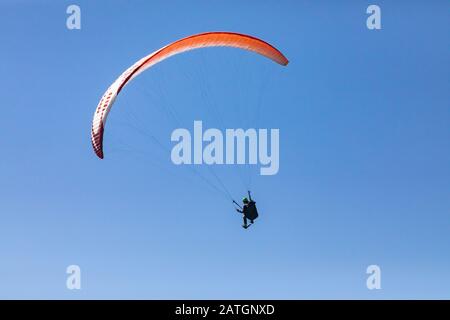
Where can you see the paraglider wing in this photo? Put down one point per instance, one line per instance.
(209, 39)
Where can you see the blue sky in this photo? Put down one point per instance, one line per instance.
(364, 140)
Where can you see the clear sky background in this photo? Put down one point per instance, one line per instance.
(364, 139)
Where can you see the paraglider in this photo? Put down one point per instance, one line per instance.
(248, 210)
(198, 41)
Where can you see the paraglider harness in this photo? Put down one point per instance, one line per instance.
(248, 210)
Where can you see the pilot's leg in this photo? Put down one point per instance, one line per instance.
(245, 222)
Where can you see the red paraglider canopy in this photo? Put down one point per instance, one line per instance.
(209, 39)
